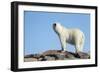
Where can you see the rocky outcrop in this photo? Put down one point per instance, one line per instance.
(51, 55)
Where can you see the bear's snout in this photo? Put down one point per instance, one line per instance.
(54, 25)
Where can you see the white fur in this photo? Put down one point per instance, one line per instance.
(71, 36)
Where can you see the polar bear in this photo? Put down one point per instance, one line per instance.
(72, 36)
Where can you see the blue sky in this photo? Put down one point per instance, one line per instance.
(39, 35)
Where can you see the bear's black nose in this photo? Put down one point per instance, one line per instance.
(54, 25)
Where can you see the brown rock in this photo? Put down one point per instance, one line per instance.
(51, 52)
(83, 55)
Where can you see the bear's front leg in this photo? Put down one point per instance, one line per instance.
(63, 44)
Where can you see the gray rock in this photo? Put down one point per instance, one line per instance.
(68, 55)
(29, 56)
(30, 59)
(83, 55)
(40, 59)
(49, 58)
(46, 58)
(60, 56)
(36, 55)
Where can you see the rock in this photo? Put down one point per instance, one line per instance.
(82, 55)
(60, 56)
(46, 58)
(51, 52)
(30, 59)
(36, 55)
(40, 59)
(49, 58)
(52, 55)
(29, 56)
(69, 55)
(33, 55)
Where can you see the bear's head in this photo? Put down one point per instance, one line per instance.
(57, 27)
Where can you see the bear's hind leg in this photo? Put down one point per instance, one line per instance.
(79, 47)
